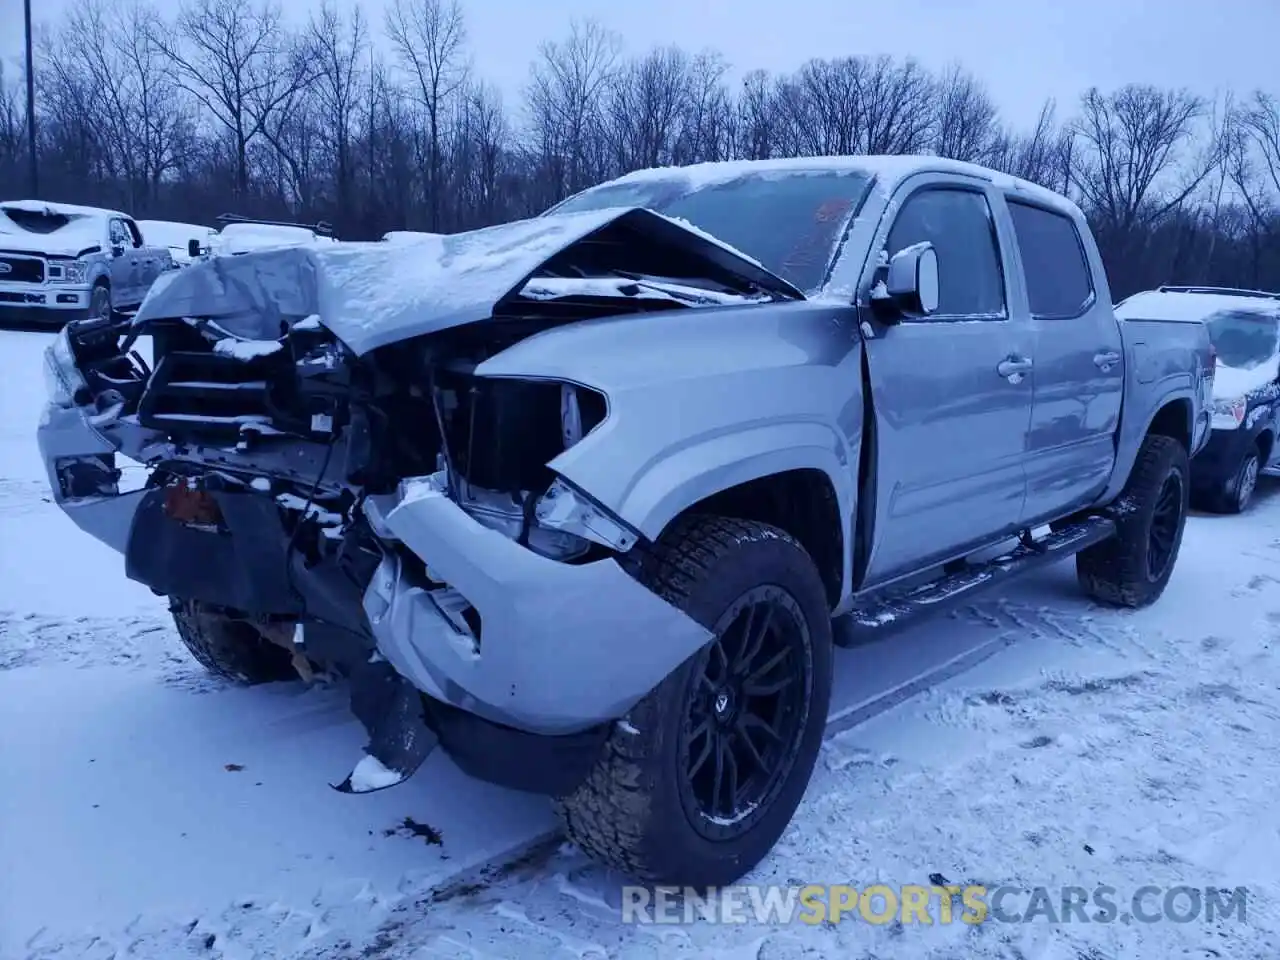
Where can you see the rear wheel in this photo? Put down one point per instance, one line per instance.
(700, 781)
(231, 649)
(1132, 568)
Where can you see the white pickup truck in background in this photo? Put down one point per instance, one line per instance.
(60, 262)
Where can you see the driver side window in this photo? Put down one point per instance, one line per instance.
(958, 223)
(120, 235)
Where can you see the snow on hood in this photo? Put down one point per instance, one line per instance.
(85, 228)
(373, 294)
(1230, 383)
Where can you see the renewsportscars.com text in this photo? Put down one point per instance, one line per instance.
(932, 904)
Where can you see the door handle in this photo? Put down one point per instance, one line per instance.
(1012, 368)
(1105, 361)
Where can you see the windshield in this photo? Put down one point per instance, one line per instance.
(1244, 338)
(791, 223)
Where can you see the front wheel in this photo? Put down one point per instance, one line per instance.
(699, 782)
(231, 649)
(1132, 568)
(1240, 490)
(100, 302)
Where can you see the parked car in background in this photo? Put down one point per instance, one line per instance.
(61, 262)
(177, 237)
(242, 234)
(1244, 328)
(576, 498)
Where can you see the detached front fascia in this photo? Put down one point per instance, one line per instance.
(81, 466)
(560, 647)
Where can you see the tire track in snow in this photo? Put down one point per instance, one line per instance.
(140, 642)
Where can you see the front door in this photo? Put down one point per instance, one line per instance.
(125, 267)
(1079, 365)
(952, 412)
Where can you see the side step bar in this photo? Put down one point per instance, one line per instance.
(885, 613)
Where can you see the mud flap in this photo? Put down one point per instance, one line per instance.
(399, 739)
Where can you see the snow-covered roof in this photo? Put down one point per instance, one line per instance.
(66, 209)
(887, 170)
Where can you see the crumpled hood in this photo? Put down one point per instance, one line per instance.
(71, 242)
(374, 294)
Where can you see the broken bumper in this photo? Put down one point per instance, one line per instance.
(511, 636)
(81, 465)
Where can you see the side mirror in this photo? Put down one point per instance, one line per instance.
(117, 250)
(193, 248)
(911, 283)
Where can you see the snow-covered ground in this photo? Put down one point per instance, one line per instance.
(147, 811)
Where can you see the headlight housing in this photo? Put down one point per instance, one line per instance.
(62, 379)
(1229, 414)
(567, 510)
(68, 271)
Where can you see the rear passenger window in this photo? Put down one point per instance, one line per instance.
(1058, 280)
(958, 224)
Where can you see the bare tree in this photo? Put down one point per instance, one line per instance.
(138, 117)
(429, 37)
(237, 60)
(646, 108)
(1259, 121)
(1132, 140)
(565, 98)
(1043, 155)
(707, 130)
(966, 126)
(339, 45)
(758, 133)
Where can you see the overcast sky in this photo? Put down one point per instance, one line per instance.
(1024, 50)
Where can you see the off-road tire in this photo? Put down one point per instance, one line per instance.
(630, 812)
(1115, 572)
(230, 649)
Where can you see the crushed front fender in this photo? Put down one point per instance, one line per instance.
(514, 637)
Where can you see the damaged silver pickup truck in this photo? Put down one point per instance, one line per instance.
(577, 498)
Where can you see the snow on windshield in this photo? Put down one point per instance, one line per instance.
(790, 223)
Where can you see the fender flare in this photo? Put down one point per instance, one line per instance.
(681, 478)
(1128, 443)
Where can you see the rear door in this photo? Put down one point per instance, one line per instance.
(951, 415)
(1079, 362)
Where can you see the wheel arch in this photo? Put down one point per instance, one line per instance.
(804, 501)
(1173, 416)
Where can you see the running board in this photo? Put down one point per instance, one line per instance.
(885, 613)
